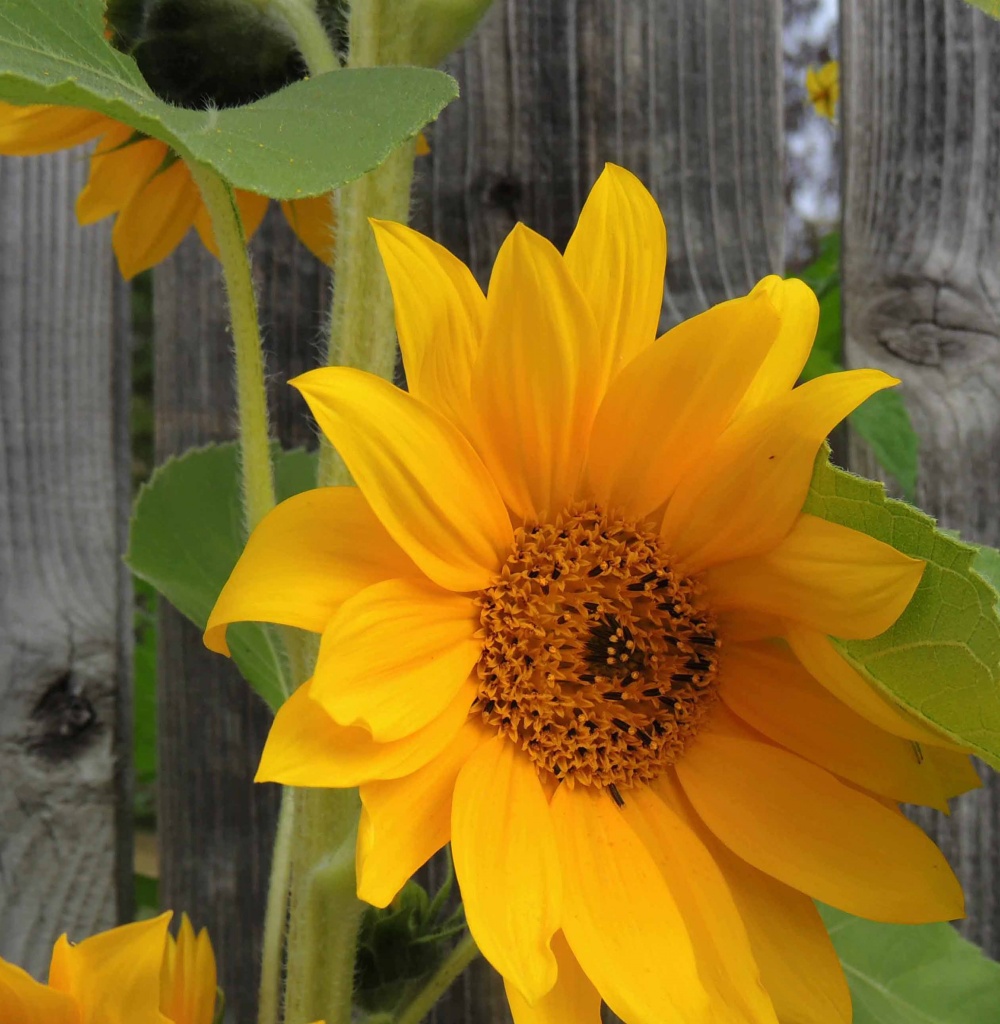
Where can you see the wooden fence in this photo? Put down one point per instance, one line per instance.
(685, 92)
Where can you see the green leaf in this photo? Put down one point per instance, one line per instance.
(187, 534)
(991, 7)
(308, 138)
(883, 421)
(941, 659)
(913, 974)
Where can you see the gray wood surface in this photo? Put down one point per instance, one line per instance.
(921, 118)
(685, 93)
(216, 827)
(65, 597)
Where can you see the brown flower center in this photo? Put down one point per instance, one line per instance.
(599, 659)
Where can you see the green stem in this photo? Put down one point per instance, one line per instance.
(362, 327)
(276, 915)
(251, 397)
(309, 33)
(422, 1004)
(325, 911)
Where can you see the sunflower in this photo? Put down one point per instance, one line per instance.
(147, 186)
(135, 974)
(575, 622)
(823, 86)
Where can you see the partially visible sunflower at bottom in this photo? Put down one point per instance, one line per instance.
(135, 974)
(147, 186)
(575, 623)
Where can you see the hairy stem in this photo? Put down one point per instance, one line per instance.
(309, 33)
(422, 1004)
(362, 328)
(325, 911)
(251, 397)
(276, 916)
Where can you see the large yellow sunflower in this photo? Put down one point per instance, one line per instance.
(574, 622)
(135, 974)
(147, 187)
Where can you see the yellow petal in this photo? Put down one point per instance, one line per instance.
(26, 1001)
(307, 556)
(252, 208)
(315, 222)
(190, 981)
(725, 960)
(671, 403)
(305, 747)
(419, 474)
(507, 866)
(821, 659)
(155, 220)
(572, 1000)
(801, 825)
(770, 691)
(798, 311)
(825, 576)
(406, 821)
(440, 316)
(798, 964)
(534, 386)
(114, 975)
(118, 170)
(394, 657)
(39, 128)
(746, 493)
(620, 918)
(618, 256)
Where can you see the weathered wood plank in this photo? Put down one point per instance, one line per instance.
(685, 93)
(216, 828)
(65, 597)
(921, 119)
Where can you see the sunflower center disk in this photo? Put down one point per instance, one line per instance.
(599, 659)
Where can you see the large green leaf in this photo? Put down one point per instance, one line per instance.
(187, 534)
(883, 420)
(941, 659)
(303, 140)
(914, 974)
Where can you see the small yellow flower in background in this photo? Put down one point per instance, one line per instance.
(135, 974)
(823, 86)
(575, 623)
(147, 188)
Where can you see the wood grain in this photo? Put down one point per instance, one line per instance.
(922, 295)
(685, 93)
(216, 827)
(65, 597)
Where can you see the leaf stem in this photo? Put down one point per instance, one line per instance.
(362, 326)
(422, 1004)
(251, 397)
(309, 33)
(276, 916)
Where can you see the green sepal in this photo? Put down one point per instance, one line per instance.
(941, 658)
(304, 140)
(904, 974)
(402, 945)
(187, 534)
